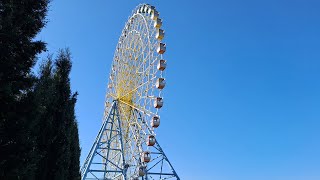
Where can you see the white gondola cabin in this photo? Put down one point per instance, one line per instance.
(146, 8)
(151, 140)
(158, 102)
(107, 104)
(157, 23)
(155, 122)
(111, 76)
(141, 9)
(161, 83)
(146, 157)
(141, 171)
(154, 14)
(161, 48)
(160, 34)
(162, 64)
(150, 9)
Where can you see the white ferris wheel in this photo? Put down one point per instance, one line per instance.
(126, 145)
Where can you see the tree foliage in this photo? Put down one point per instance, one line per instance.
(59, 145)
(20, 21)
(38, 129)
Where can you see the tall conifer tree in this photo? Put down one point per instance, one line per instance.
(20, 21)
(44, 100)
(59, 144)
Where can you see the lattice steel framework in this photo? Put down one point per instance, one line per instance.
(125, 147)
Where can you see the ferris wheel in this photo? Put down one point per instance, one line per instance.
(126, 145)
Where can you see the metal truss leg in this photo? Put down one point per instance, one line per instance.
(107, 150)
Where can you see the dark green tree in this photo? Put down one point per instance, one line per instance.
(44, 107)
(74, 173)
(38, 129)
(59, 141)
(20, 22)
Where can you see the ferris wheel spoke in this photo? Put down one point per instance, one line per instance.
(145, 111)
(136, 88)
(136, 123)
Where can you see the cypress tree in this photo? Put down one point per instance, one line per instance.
(44, 100)
(59, 144)
(20, 21)
(62, 116)
(74, 173)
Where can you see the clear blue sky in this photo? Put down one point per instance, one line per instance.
(242, 100)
